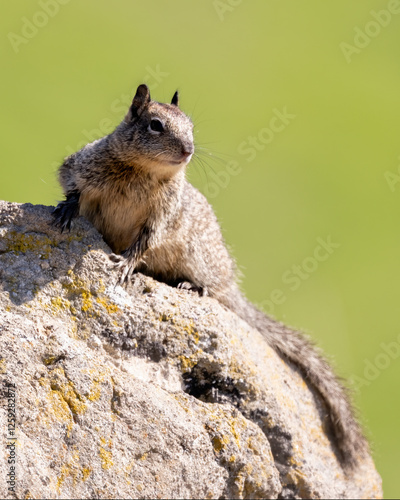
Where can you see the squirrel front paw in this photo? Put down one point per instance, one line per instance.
(65, 211)
(124, 266)
(62, 216)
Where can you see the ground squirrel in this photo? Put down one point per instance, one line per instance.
(131, 185)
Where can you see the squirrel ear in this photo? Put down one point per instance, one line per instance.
(175, 99)
(140, 101)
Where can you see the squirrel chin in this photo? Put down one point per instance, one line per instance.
(167, 169)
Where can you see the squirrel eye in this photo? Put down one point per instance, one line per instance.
(156, 126)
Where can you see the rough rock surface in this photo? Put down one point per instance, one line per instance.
(145, 392)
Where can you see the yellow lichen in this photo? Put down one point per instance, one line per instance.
(3, 366)
(65, 388)
(74, 400)
(108, 306)
(86, 301)
(60, 304)
(79, 287)
(102, 287)
(106, 458)
(49, 360)
(97, 376)
(298, 478)
(62, 476)
(253, 445)
(22, 242)
(86, 473)
(192, 331)
(233, 422)
(128, 468)
(58, 408)
(184, 328)
(71, 468)
(188, 362)
(95, 392)
(219, 442)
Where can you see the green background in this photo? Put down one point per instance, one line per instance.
(331, 171)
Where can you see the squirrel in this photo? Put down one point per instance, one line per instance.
(131, 185)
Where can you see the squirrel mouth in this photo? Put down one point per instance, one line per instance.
(184, 159)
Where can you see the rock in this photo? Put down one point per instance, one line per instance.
(144, 392)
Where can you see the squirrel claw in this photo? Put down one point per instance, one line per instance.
(65, 211)
(60, 218)
(187, 285)
(124, 267)
(116, 258)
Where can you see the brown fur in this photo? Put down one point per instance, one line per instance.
(131, 185)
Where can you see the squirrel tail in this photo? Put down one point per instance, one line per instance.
(297, 349)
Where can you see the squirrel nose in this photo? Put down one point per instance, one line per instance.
(187, 150)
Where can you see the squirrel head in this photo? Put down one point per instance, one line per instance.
(154, 136)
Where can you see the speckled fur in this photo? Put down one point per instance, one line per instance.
(131, 185)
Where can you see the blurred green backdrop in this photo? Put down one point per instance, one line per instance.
(298, 102)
